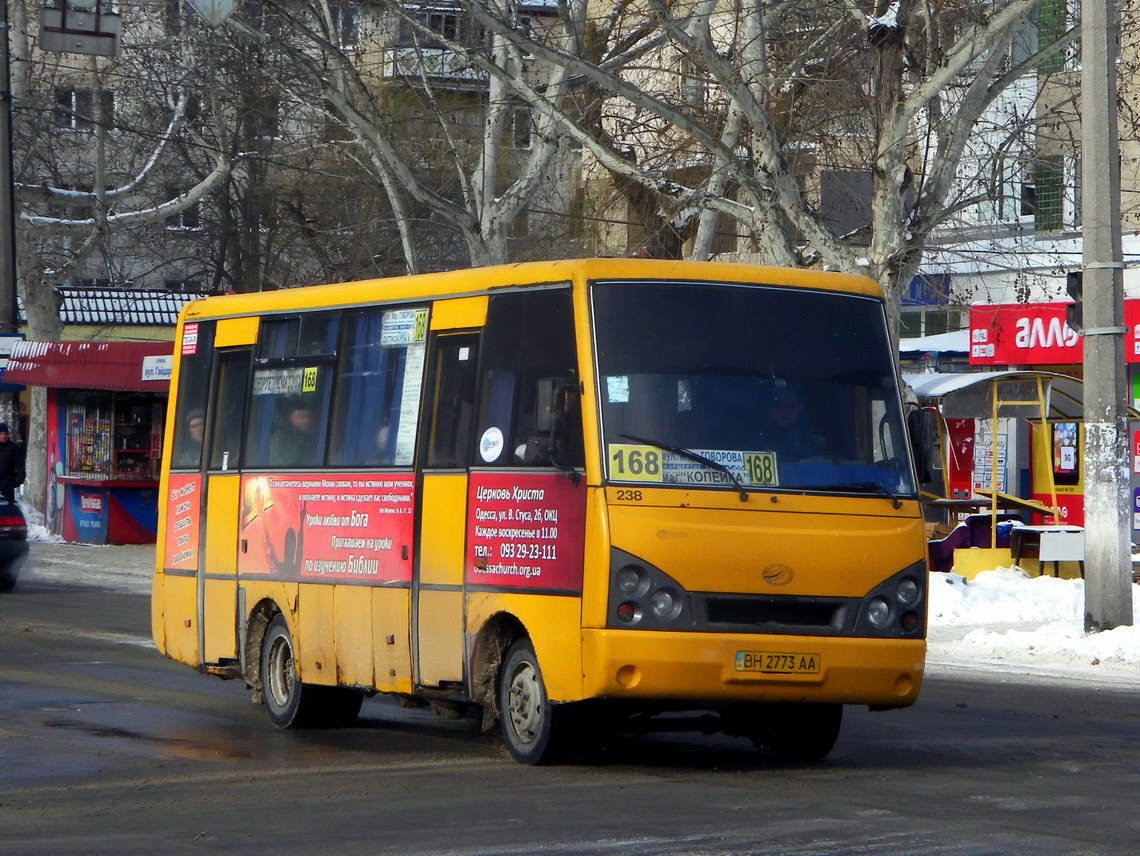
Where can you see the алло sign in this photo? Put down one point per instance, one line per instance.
(1036, 334)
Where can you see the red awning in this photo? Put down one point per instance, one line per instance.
(117, 366)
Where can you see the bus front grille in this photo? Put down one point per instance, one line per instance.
(760, 613)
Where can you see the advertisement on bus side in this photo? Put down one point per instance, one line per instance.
(525, 531)
(183, 518)
(340, 527)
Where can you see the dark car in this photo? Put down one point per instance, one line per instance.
(13, 544)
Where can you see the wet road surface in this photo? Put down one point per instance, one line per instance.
(108, 748)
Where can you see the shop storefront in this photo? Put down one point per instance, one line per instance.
(105, 407)
(1036, 336)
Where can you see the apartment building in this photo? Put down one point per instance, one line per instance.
(301, 201)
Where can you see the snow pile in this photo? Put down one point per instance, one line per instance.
(1003, 596)
(1005, 619)
(37, 531)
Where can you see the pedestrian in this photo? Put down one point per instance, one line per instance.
(11, 465)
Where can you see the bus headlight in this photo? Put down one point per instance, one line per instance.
(644, 597)
(907, 591)
(666, 604)
(633, 581)
(879, 611)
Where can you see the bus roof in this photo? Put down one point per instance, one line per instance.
(472, 281)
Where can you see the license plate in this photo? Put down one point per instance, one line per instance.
(783, 663)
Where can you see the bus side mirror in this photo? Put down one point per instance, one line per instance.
(922, 431)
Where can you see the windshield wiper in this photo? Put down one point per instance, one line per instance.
(693, 456)
(860, 487)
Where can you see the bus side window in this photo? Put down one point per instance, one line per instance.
(528, 348)
(378, 398)
(229, 409)
(292, 390)
(453, 400)
(193, 389)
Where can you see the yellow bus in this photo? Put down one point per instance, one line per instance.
(602, 490)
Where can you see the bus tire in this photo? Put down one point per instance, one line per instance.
(526, 716)
(289, 703)
(799, 732)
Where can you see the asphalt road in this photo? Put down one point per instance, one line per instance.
(107, 748)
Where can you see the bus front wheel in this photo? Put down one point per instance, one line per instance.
(526, 715)
(290, 703)
(799, 732)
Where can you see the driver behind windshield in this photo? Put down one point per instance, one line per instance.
(791, 431)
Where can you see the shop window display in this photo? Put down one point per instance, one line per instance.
(114, 436)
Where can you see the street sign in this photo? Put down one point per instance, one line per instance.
(71, 30)
(213, 12)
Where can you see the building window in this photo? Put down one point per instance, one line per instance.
(175, 15)
(74, 109)
(845, 202)
(188, 219)
(261, 116)
(1043, 197)
(1054, 19)
(63, 208)
(261, 17)
(345, 24)
(691, 87)
(450, 26)
(930, 321)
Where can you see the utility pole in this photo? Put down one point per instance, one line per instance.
(8, 313)
(1108, 559)
(7, 191)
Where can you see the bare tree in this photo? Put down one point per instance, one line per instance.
(447, 143)
(90, 170)
(894, 91)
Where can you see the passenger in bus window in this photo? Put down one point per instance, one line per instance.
(294, 439)
(188, 439)
(380, 456)
(792, 432)
(195, 427)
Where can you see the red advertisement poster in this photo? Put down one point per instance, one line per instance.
(183, 517)
(189, 340)
(328, 527)
(1022, 334)
(525, 531)
(1072, 509)
(1037, 334)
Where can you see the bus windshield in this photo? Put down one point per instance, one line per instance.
(774, 388)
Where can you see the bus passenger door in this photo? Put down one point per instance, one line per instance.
(437, 589)
(217, 572)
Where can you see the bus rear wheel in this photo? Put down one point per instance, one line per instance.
(526, 716)
(291, 703)
(798, 731)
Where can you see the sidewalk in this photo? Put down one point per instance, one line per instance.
(118, 568)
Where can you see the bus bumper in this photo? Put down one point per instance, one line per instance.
(699, 667)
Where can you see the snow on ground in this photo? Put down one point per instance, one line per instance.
(1005, 621)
